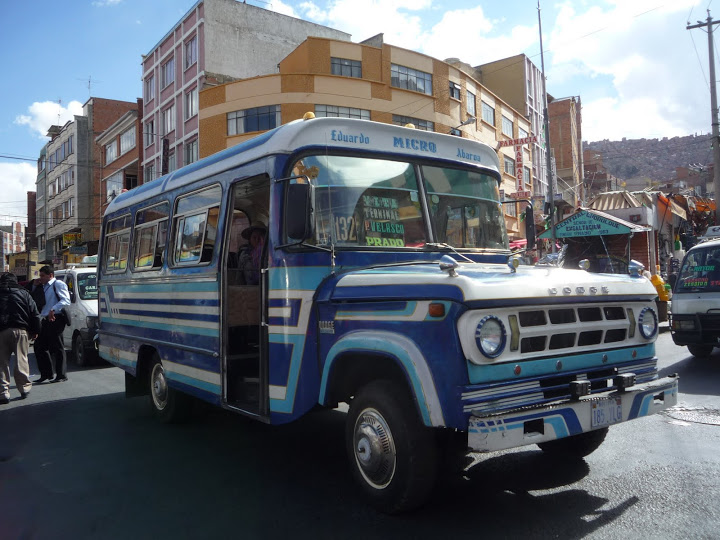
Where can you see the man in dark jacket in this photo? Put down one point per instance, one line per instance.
(19, 322)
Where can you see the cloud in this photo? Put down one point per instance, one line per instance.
(281, 7)
(106, 3)
(42, 115)
(17, 180)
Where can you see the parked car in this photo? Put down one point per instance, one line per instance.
(82, 313)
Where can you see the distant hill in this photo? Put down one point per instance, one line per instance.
(637, 160)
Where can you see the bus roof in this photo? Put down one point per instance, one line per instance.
(335, 133)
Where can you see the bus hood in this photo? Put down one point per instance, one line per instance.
(486, 282)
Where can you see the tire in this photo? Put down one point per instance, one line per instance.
(79, 351)
(576, 446)
(168, 405)
(700, 351)
(393, 456)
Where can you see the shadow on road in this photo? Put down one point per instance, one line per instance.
(697, 375)
(102, 467)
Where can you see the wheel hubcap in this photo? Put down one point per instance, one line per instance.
(159, 387)
(374, 448)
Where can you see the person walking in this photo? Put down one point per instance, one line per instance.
(49, 346)
(19, 322)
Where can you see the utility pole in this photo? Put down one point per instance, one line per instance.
(550, 176)
(714, 112)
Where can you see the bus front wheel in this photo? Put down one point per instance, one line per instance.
(168, 404)
(392, 454)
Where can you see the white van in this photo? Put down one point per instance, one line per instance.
(695, 312)
(83, 312)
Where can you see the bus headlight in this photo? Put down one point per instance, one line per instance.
(490, 336)
(647, 323)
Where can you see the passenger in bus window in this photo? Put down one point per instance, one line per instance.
(250, 258)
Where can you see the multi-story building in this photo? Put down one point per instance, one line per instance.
(214, 42)
(69, 196)
(13, 241)
(565, 121)
(520, 83)
(121, 156)
(374, 81)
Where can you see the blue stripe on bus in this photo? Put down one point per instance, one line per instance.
(173, 286)
(298, 344)
(175, 328)
(166, 315)
(190, 381)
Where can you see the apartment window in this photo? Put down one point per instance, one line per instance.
(471, 104)
(172, 162)
(522, 133)
(255, 119)
(511, 208)
(507, 126)
(114, 185)
(168, 119)
(150, 88)
(425, 125)
(526, 174)
(488, 114)
(191, 52)
(191, 152)
(412, 79)
(191, 103)
(341, 112)
(149, 132)
(454, 90)
(168, 72)
(127, 140)
(149, 173)
(456, 132)
(110, 152)
(69, 208)
(346, 68)
(509, 165)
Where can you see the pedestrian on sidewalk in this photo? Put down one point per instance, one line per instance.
(19, 322)
(49, 346)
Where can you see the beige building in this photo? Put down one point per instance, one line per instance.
(373, 81)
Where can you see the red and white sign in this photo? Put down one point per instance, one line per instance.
(521, 195)
(518, 142)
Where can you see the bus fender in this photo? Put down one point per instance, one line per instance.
(409, 357)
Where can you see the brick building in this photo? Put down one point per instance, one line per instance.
(565, 121)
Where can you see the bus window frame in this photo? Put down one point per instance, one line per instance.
(173, 260)
(139, 229)
(116, 234)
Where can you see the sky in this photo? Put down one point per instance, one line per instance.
(638, 70)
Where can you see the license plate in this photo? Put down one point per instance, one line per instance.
(606, 412)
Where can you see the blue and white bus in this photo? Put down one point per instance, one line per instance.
(385, 281)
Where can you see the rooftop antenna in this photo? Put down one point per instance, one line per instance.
(59, 102)
(90, 82)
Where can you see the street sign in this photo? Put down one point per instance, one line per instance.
(521, 195)
(518, 142)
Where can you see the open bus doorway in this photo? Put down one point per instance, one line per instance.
(245, 358)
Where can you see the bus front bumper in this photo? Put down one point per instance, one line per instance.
(532, 425)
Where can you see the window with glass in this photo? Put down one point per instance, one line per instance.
(345, 67)
(507, 126)
(488, 113)
(149, 172)
(341, 112)
(700, 271)
(127, 140)
(168, 72)
(87, 286)
(117, 242)
(168, 119)
(509, 164)
(149, 133)
(110, 152)
(150, 88)
(190, 52)
(411, 79)
(376, 203)
(425, 125)
(522, 133)
(526, 174)
(255, 119)
(191, 152)
(454, 90)
(471, 104)
(113, 185)
(195, 226)
(150, 237)
(172, 162)
(191, 103)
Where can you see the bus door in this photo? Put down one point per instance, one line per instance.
(245, 338)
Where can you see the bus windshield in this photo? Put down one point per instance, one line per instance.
(700, 271)
(369, 202)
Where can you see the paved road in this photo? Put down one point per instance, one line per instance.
(78, 460)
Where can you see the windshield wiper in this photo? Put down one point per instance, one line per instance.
(451, 248)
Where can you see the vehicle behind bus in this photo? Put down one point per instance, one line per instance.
(385, 281)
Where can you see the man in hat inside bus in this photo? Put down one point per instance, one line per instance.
(250, 258)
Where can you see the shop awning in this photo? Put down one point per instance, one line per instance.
(592, 223)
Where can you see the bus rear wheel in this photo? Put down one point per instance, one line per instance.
(169, 405)
(392, 454)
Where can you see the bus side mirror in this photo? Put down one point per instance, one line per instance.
(530, 227)
(298, 212)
